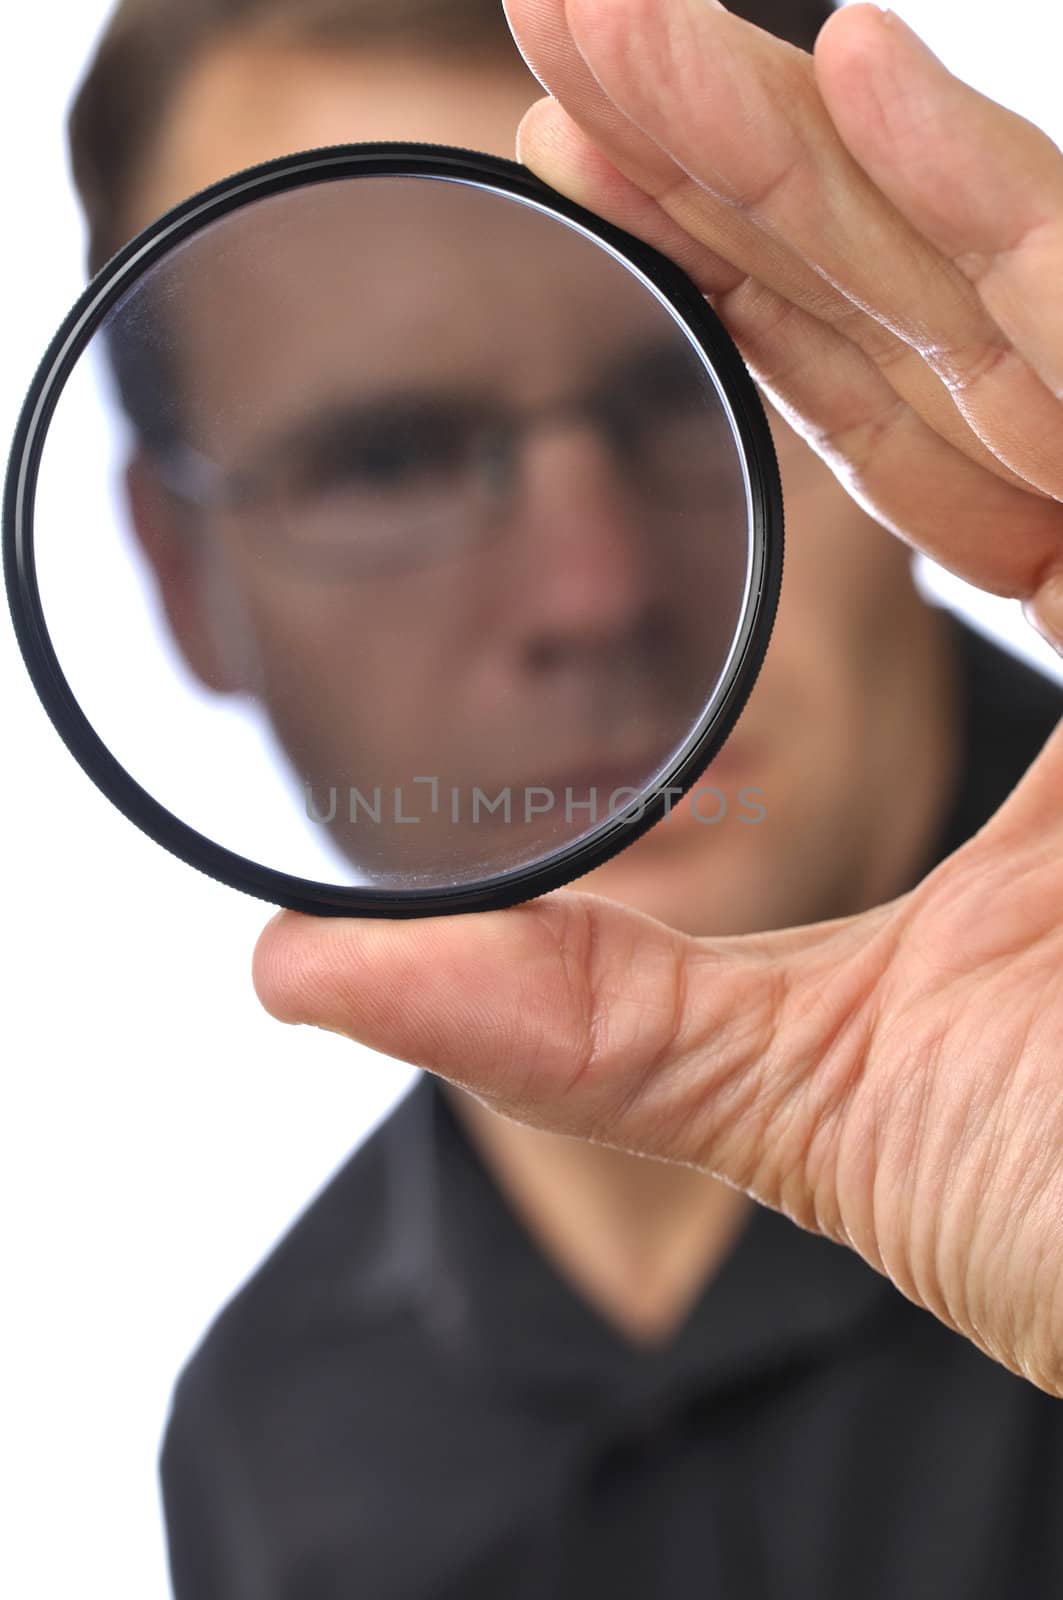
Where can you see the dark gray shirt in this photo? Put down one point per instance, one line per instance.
(407, 1401)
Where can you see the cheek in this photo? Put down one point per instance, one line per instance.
(343, 666)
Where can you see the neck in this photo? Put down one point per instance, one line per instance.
(637, 1238)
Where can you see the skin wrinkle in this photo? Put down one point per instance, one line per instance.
(997, 883)
(824, 1168)
(893, 355)
(971, 444)
(796, 82)
(890, 355)
(850, 1041)
(984, 269)
(964, 370)
(685, 1072)
(880, 344)
(983, 1148)
(897, 405)
(879, 337)
(1008, 506)
(901, 323)
(903, 1245)
(980, 265)
(1049, 1304)
(860, 1161)
(686, 178)
(886, 353)
(886, 348)
(902, 131)
(531, 1090)
(761, 196)
(930, 136)
(948, 1258)
(682, 50)
(1009, 304)
(954, 1147)
(842, 442)
(835, 1063)
(595, 1014)
(758, 334)
(687, 1089)
(669, 1044)
(1052, 1098)
(1044, 1301)
(577, 959)
(739, 1104)
(988, 1243)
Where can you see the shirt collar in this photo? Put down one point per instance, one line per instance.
(490, 1302)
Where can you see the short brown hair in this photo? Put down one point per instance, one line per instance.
(149, 46)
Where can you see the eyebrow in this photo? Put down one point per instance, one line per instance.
(334, 421)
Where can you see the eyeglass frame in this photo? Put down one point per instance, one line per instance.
(197, 480)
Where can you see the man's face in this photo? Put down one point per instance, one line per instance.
(808, 743)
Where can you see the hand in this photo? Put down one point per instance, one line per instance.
(886, 247)
(883, 244)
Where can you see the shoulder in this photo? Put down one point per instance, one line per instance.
(335, 1273)
(318, 1401)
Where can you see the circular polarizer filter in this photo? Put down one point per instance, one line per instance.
(386, 535)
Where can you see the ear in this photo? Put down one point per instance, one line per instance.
(174, 541)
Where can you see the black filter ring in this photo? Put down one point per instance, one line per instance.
(115, 279)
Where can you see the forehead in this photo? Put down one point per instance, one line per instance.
(245, 101)
(344, 289)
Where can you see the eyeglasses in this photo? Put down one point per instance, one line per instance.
(410, 479)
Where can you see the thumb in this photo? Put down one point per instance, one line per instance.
(581, 1015)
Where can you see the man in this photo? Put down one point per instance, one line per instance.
(496, 1360)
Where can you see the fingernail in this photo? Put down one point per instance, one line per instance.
(1045, 611)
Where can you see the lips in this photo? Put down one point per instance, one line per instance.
(572, 788)
(736, 758)
(605, 776)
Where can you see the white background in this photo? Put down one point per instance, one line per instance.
(158, 1130)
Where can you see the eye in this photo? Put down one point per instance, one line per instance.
(649, 395)
(389, 449)
(664, 382)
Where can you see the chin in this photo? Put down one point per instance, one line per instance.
(702, 881)
(663, 887)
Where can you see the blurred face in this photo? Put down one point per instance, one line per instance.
(478, 519)
(546, 657)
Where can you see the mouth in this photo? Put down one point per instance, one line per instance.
(592, 791)
(737, 758)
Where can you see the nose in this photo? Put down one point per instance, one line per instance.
(590, 580)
